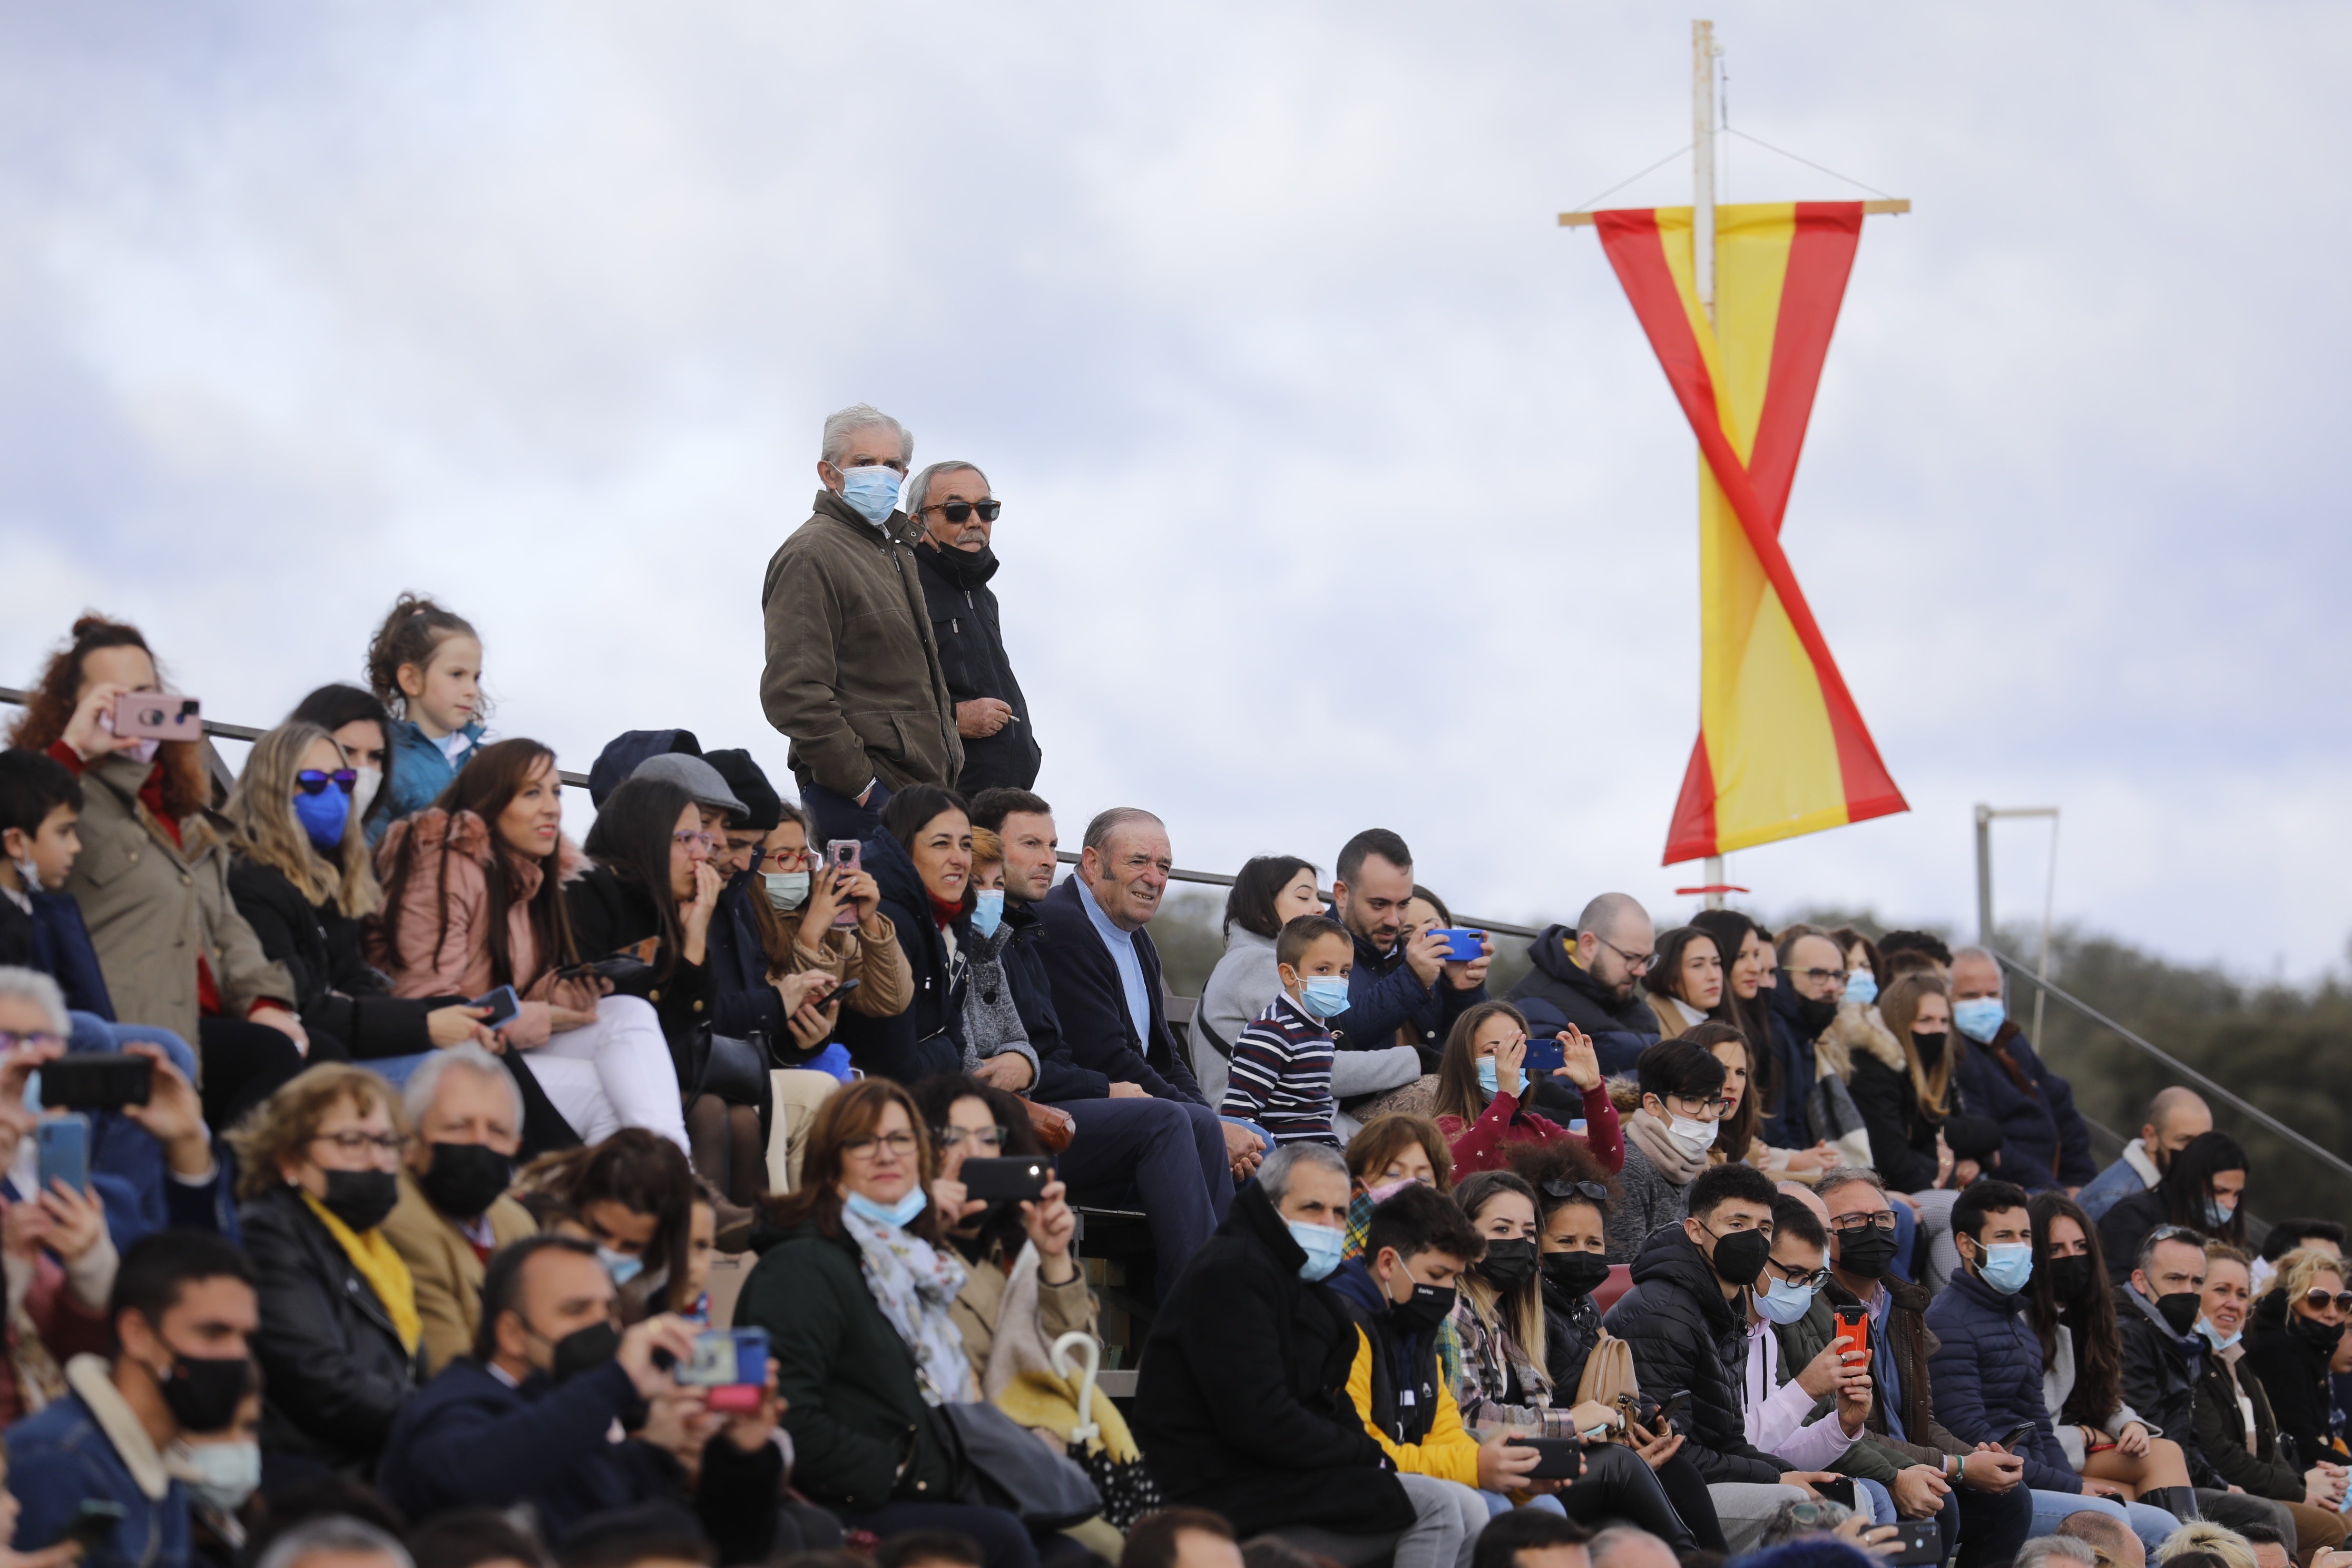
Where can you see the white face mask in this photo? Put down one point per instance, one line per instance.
(1697, 1137)
(222, 1473)
(364, 789)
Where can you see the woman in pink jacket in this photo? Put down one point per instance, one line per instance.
(473, 901)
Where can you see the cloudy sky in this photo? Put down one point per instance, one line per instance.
(1340, 486)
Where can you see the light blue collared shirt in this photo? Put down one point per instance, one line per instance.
(1130, 965)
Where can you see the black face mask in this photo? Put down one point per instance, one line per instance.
(584, 1349)
(1574, 1274)
(362, 1199)
(2321, 1337)
(1815, 1014)
(203, 1392)
(2069, 1276)
(1739, 1255)
(2178, 1310)
(1868, 1254)
(465, 1179)
(1507, 1264)
(1430, 1305)
(1930, 1047)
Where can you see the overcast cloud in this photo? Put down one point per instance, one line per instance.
(1340, 486)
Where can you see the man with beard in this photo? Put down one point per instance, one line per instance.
(1590, 975)
(1396, 985)
(2174, 1117)
(454, 1212)
(958, 514)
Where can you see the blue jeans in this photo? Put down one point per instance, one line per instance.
(2147, 1522)
(832, 815)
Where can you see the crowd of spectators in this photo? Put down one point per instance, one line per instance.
(369, 1151)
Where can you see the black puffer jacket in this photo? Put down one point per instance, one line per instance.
(335, 1369)
(1685, 1335)
(2160, 1373)
(335, 989)
(2295, 1375)
(972, 655)
(1571, 1328)
(1241, 1405)
(1621, 1031)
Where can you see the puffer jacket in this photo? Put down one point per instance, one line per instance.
(853, 674)
(2295, 1375)
(333, 1366)
(2160, 1373)
(419, 771)
(452, 881)
(2044, 1141)
(158, 907)
(1987, 1371)
(1685, 1335)
(1621, 1031)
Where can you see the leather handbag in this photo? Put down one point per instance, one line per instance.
(736, 1070)
(1609, 1378)
(1055, 1128)
(999, 1463)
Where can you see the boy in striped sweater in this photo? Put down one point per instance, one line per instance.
(1281, 1077)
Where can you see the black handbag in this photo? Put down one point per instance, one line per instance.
(736, 1070)
(999, 1463)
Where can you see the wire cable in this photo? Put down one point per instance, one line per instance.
(1621, 184)
(1808, 163)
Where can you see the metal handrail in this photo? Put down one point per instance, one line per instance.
(2147, 1047)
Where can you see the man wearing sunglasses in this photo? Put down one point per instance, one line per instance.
(952, 503)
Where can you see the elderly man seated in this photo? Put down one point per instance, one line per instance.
(454, 1212)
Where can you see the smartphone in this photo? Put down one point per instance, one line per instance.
(1019, 1176)
(503, 1003)
(1672, 1410)
(1461, 943)
(841, 858)
(1853, 1326)
(732, 1364)
(154, 715)
(844, 989)
(1917, 1541)
(1560, 1459)
(1840, 1491)
(65, 1150)
(2017, 1435)
(96, 1080)
(1545, 1057)
(92, 1526)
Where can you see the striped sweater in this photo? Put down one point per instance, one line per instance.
(1281, 1076)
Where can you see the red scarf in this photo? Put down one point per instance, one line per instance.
(943, 911)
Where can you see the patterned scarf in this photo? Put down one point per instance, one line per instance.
(914, 1283)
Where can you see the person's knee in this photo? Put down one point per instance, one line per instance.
(628, 1013)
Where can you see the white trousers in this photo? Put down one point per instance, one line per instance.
(613, 1073)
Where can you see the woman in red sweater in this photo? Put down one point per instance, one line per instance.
(1481, 1085)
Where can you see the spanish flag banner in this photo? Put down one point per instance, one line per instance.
(1782, 748)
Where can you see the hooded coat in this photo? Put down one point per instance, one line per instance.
(1241, 1400)
(1685, 1335)
(853, 672)
(1621, 1031)
(970, 641)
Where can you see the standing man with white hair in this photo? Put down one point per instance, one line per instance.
(958, 515)
(854, 675)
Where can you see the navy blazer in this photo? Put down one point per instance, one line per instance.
(1092, 1004)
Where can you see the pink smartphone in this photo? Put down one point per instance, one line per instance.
(841, 859)
(156, 715)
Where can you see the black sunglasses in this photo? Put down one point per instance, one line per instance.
(962, 510)
(311, 781)
(1591, 1191)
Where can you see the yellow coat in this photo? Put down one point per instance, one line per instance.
(1449, 1452)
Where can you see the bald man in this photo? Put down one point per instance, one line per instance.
(1590, 975)
(2174, 1117)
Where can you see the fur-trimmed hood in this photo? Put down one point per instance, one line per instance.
(1857, 1027)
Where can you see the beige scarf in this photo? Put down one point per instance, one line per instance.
(1659, 1147)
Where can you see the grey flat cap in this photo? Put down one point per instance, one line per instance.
(697, 777)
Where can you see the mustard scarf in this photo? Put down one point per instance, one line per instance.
(384, 1270)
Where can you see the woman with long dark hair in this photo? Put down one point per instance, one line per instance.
(634, 1194)
(473, 900)
(1747, 953)
(921, 864)
(1484, 1096)
(1687, 984)
(2204, 1189)
(2073, 1313)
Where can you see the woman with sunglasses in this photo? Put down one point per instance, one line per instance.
(2204, 1189)
(2235, 1425)
(302, 877)
(2294, 1341)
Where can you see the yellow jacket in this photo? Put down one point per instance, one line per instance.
(1449, 1452)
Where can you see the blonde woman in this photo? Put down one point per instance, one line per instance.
(301, 875)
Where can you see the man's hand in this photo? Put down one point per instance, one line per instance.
(447, 1026)
(278, 1018)
(1991, 1468)
(982, 717)
(1918, 1491)
(1578, 1063)
(1136, 1091)
(2324, 1485)
(173, 1115)
(1469, 974)
(1878, 1540)
(1243, 1148)
(1827, 1371)
(748, 1430)
(1007, 1071)
(1425, 955)
(667, 1331)
(1502, 1467)
(1853, 1397)
(947, 1195)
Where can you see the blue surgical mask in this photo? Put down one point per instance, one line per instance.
(1324, 1244)
(2007, 1266)
(786, 890)
(1979, 1017)
(322, 814)
(1488, 1079)
(2216, 1216)
(894, 1214)
(1782, 1302)
(222, 1473)
(988, 910)
(872, 493)
(1862, 988)
(1325, 996)
(622, 1266)
(2215, 1339)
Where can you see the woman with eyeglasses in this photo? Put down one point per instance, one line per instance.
(302, 877)
(1486, 1099)
(2236, 1427)
(340, 1343)
(858, 1298)
(2294, 1340)
(473, 891)
(798, 928)
(2203, 1189)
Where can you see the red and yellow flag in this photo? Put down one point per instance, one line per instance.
(1782, 748)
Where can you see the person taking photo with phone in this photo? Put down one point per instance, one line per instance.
(1487, 1091)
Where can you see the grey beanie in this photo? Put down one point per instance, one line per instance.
(698, 778)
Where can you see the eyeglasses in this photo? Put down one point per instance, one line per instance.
(962, 510)
(1855, 1224)
(990, 1137)
(2318, 1299)
(686, 841)
(361, 1143)
(900, 1144)
(1804, 1280)
(1592, 1191)
(311, 781)
(10, 1039)
(1639, 962)
(1818, 975)
(785, 860)
(1707, 1110)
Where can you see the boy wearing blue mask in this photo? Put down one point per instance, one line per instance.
(1281, 1078)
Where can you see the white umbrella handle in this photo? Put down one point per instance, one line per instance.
(1088, 1428)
